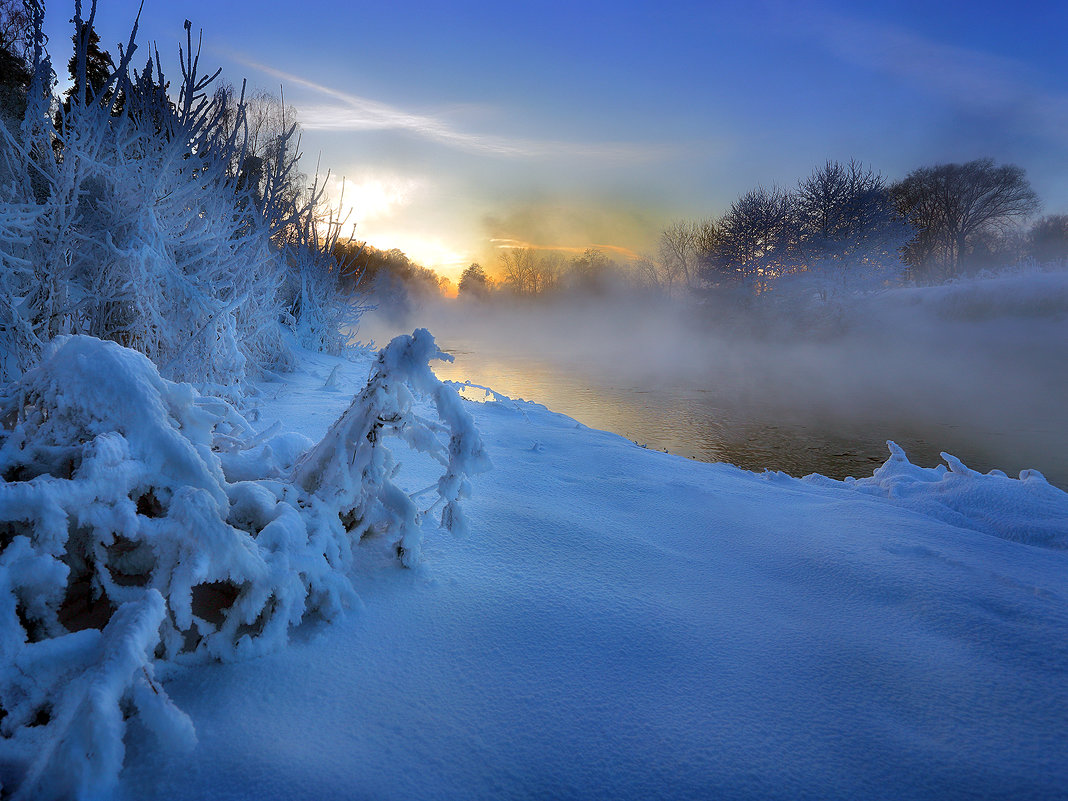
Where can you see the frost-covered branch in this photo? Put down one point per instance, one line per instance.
(352, 469)
(140, 521)
(129, 217)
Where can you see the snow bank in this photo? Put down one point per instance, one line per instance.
(118, 513)
(1027, 510)
(634, 625)
(1024, 294)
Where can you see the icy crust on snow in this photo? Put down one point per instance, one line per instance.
(134, 527)
(1028, 510)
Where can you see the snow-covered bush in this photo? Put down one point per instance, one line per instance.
(350, 470)
(318, 312)
(142, 521)
(124, 219)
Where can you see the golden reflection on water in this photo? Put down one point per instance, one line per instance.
(682, 420)
(697, 422)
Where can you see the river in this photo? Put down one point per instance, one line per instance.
(689, 421)
(825, 409)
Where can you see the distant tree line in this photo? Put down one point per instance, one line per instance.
(393, 280)
(838, 228)
(842, 229)
(846, 227)
(535, 272)
(390, 277)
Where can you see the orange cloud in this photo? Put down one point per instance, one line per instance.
(514, 244)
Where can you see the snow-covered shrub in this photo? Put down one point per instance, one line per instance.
(126, 221)
(352, 472)
(67, 699)
(314, 284)
(124, 537)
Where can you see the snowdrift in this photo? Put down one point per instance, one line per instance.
(126, 539)
(1028, 510)
(630, 624)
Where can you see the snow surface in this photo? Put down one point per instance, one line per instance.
(621, 623)
(127, 540)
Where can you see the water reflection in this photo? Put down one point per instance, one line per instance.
(687, 421)
(809, 408)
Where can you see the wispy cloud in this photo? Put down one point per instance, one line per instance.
(351, 112)
(972, 81)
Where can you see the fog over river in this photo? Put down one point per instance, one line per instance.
(977, 369)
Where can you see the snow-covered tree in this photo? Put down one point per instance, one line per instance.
(140, 232)
(142, 521)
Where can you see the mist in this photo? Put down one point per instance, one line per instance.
(975, 368)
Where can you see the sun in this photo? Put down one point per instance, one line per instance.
(377, 209)
(371, 198)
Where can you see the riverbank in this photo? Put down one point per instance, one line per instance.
(621, 623)
(783, 384)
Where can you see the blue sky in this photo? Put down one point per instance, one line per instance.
(462, 126)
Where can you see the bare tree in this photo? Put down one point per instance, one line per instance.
(757, 239)
(16, 58)
(1048, 238)
(591, 271)
(16, 35)
(549, 268)
(517, 268)
(683, 245)
(845, 208)
(850, 231)
(527, 273)
(955, 205)
(923, 209)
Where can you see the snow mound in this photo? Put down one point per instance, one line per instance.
(124, 538)
(1024, 295)
(1028, 510)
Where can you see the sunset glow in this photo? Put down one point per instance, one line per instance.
(372, 198)
(764, 308)
(612, 250)
(447, 142)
